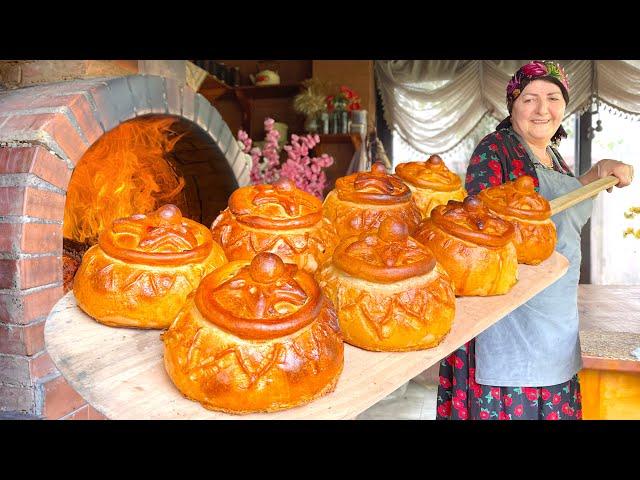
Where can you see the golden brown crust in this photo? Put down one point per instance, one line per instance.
(474, 268)
(261, 299)
(411, 314)
(273, 225)
(427, 199)
(470, 220)
(120, 290)
(376, 187)
(209, 363)
(432, 174)
(431, 183)
(517, 199)
(529, 212)
(535, 241)
(163, 237)
(275, 206)
(384, 255)
(354, 207)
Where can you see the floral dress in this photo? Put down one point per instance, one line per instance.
(500, 157)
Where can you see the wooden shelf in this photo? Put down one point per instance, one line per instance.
(213, 89)
(335, 138)
(120, 371)
(256, 92)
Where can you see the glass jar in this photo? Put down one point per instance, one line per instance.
(344, 122)
(334, 122)
(324, 120)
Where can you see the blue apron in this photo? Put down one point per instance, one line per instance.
(538, 344)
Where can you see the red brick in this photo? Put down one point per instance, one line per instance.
(60, 399)
(22, 339)
(39, 304)
(24, 309)
(10, 234)
(57, 125)
(81, 414)
(17, 399)
(41, 365)
(52, 70)
(8, 273)
(31, 201)
(30, 238)
(95, 415)
(41, 238)
(14, 370)
(10, 306)
(81, 109)
(38, 161)
(34, 272)
(22, 99)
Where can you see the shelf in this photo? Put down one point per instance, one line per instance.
(213, 89)
(256, 92)
(120, 371)
(335, 138)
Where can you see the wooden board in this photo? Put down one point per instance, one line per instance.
(120, 371)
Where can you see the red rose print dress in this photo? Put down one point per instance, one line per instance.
(501, 157)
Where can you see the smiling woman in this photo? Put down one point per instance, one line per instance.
(537, 116)
(525, 366)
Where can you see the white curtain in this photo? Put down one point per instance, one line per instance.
(433, 105)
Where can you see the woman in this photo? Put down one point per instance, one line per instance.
(525, 366)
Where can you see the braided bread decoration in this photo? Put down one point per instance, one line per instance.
(390, 293)
(361, 201)
(257, 336)
(277, 218)
(473, 245)
(529, 212)
(143, 267)
(431, 183)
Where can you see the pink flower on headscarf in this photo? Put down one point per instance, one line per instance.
(534, 69)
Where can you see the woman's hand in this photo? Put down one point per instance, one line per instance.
(606, 167)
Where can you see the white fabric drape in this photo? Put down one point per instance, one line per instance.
(434, 104)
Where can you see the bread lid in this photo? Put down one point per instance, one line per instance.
(432, 174)
(471, 220)
(517, 199)
(276, 206)
(375, 187)
(385, 255)
(162, 237)
(261, 299)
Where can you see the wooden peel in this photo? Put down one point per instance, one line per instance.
(578, 195)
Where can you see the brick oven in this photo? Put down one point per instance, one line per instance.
(45, 130)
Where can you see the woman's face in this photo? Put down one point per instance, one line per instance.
(536, 114)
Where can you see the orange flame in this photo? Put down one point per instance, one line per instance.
(123, 173)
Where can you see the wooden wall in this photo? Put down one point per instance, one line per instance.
(355, 74)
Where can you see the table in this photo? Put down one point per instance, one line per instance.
(120, 371)
(609, 326)
(609, 332)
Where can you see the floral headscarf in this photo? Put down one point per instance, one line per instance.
(535, 70)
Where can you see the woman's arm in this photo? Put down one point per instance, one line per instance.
(606, 167)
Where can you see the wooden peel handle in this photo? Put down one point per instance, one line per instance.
(578, 195)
